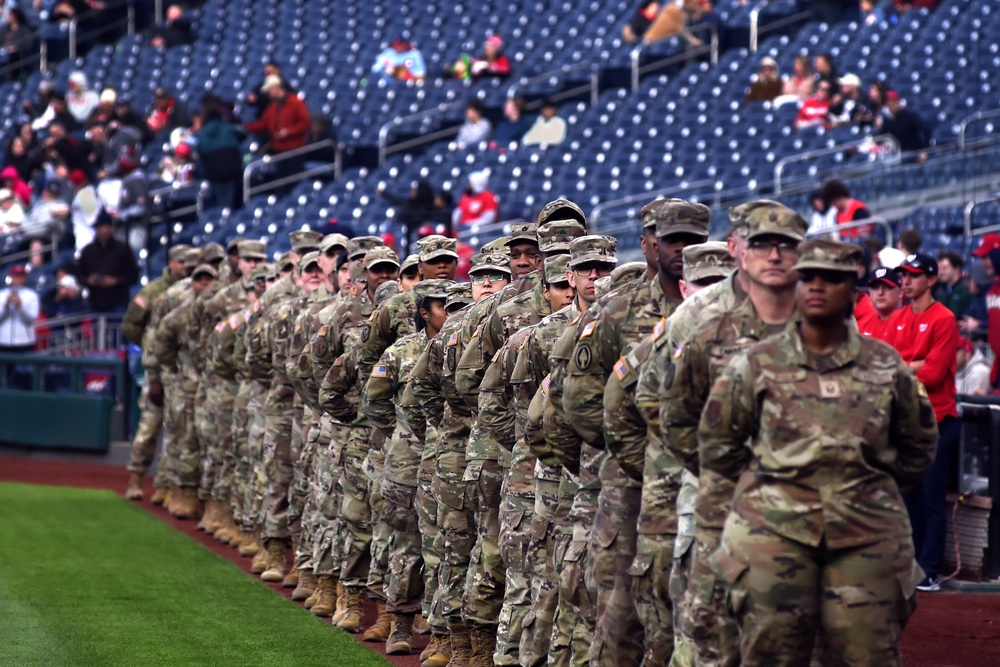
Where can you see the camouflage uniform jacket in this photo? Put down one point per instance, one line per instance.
(241, 339)
(390, 322)
(339, 394)
(168, 348)
(301, 379)
(305, 370)
(174, 296)
(136, 319)
(818, 446)
(219, 309)
(384, 402)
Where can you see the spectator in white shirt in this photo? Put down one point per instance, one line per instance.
(18, 312)
(972, 374)
(476, 129)
(548, 129)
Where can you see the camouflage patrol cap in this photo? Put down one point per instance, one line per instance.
(253, 250)
(411, 262)
(359, 245)
(647, 215)
(593, 248)
(623, 275)
(284, 263)
(676, 216)
(740, 215)
(555, 269)
(432, 289)
(707, 260)
(435, 245)
(234, 244)
(305, 240)
(270, 271)
(459, 295)
(358, 270)
(776, 220)
(561, 209)
(385, 291)
(496, 245)
(192, 258)
(381, 255)
(178, 252)
(333, 241)
(261, 271)
(212, 252)
(489, 261)
(205, 269)
(824, 255)
(307, 259)
(556, 235)
(523, 231)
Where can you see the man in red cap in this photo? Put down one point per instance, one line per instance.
(988, 253)
(925, 334)
(884, 296)
(972, 373)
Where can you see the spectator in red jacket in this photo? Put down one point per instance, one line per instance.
(883, 299)
(816, 109)
(837, 194)
(478, 206)
(989, 253)
(286, 119)
(925, 334)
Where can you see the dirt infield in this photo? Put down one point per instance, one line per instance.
(948, 630)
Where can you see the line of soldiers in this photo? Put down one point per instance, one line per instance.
(518, 466)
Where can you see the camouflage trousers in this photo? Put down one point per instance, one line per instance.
(355, 509)
(186, 471)
(457, 534)
(712, 632)
(618, 637)
(298, 490)
(516, 513)
(783, 594)
(575, 594)
(404, 586)
(278, 470)
(561, 642)
(539, 559)
(237, 458)
(650, 572)
(255, 483)
(378, 571)
(484, 583)
(147, 434)
(684, 648)
(328, 541)
(168, 452)
(215, 430)
(305, 471)
(427, 522)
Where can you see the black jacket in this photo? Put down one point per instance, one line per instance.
(114, 259)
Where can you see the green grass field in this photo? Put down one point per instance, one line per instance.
(88, 579)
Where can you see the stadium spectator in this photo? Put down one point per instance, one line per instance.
(700, 13)
(492, 62)
(174, 31)
(826, 72)
(476, 128)
(836, 194)
(320, 130)
(36, 107)
(80, 100)
(46, 219)
(10, 179)
(641, 20)
(910, 241)
(905, 125)
(401, 61)
(477, 206)
(18, 159)
(903, 6)
(988, 253)
(19, 42)
(815, 110)
(49, 300)
(104, 112)
(412, 211)
(220, 158)
(55, 113)
(84, 208)
(823, 221)
(847, 108)
(130, 208)
(801, 81)
(513, 126)
(167, 114)
(11, 213)
(126, 116)
(178, 167)
(549, 129)
(766, 84)
(925, 334)
(951, 288)
(107, 266)
(258, 97)
(972, 372)
(286, 120)
(870, 12)
(19, 308)
(885, 296)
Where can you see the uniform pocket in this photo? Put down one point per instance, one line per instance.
(731, 572)
(397, 495)
(473, 471)
(908, 580)
(605, 534)
(641, 564)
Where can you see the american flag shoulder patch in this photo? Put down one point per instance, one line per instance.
(379, 371)
(141, 301)
(234, 322)
(453, 339)
(371, 318)
(679, 351)
(621, 369)
(220, 326)
(588, 330)
(496, 355)
(478, 331)
(546, 383)
(660, 327)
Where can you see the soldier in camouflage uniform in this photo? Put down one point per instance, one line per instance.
(385, 402)
(614, 330)
(632, 433)
(810, 435)
(173, 349)
(409, 272)
(774, 233)
(433, 378)
(135, 327)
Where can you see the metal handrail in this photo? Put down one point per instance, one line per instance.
(712, 48)
(106, 27)
(969, 208)
(756, 31)
(53, 246)
(963, 127)
(882, 139)
(645, 197)
(874, 221)
(336, 167)
(593, 86)
(383, 132)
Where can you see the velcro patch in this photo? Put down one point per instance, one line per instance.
(453, 339)
(234, 322)
(660, 328)
(679, 352)
(141, 302)
(621, 369)
(379, 371)
(496, 356)
(546, 383)
(588, 330)
(478, 331)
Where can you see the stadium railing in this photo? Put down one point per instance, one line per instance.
(970, 209)
(756, 30)
(882, 148)
(592, 87)
(979, 457)
(712, 49)
(336, 167)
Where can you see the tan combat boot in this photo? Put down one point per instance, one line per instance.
(380, 629)
(206, 516)
(306, 586)
(437, 653)
(461, 646)
(291, 579)
(341, 608)
(228, 532)
(249, 544)
(214, 519)
(134, 490)
(275, 571)
(401, 640)
(259, 562)
(159, 495)
(354, 611)
(171, 499)
(188, 506)
(420, 625)
(326, 597)
(484, 641)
